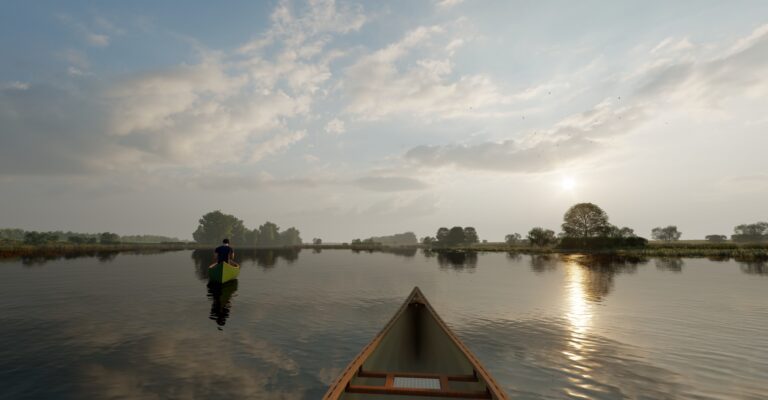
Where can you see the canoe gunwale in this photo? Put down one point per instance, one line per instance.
(342, 383)
(223, 267)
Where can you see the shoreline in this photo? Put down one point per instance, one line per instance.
(720, 251)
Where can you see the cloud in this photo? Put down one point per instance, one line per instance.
(14, 85)
(276, 144)
(661, 84)
(307, 30)
(335, 127)
(50, 130)
(448, 3)
(225, 108)
(92, 33)
(390, 183)
(98, 40)
(378, 85)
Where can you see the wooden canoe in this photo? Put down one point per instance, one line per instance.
(223, 272)
(415, 356)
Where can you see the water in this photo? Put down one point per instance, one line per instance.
(148, 326)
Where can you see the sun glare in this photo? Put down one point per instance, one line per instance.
(568, 184)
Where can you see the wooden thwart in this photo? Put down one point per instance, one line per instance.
(444, 391)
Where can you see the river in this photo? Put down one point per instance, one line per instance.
(147, 326)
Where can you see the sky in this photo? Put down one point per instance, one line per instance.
(357, 119)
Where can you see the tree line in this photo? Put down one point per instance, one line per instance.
(215, 226)
(452, 237)
(398, 239)
(587, 226)
(50, 237)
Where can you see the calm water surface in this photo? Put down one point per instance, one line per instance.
(148, 326)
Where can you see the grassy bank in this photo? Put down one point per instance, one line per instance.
(53, 250)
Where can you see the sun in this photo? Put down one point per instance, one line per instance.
(568, 184)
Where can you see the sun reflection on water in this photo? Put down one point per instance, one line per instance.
(579, 314)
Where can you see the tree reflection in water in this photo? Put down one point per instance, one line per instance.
(595, 272)
(221, 295)
(754, 267)
(457, 260)
(544, 262)
(671, 264)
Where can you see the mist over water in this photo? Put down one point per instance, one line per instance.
(545, 326)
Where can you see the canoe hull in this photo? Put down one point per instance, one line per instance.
(415, 355)
(223, 272)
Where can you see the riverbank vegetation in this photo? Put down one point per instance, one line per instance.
(49, 251)
(585, 229)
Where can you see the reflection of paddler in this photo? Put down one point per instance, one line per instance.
(221, 294)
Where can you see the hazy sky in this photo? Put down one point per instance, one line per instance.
(354, 119)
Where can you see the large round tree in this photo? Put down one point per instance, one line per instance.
(216, 226)
(585, 220)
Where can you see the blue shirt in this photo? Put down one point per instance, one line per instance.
(223, 252)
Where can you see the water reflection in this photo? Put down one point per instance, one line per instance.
(265, 258)
(671, 264)
(457, 260)
(544, 262)
(754, 267)
(596, 272)
(398, 251)
(43, 258)
(579, 316)
(221, 295)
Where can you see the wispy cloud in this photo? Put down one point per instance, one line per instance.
(377, 86)
(14, 85)
(95, 34)
(739, 70)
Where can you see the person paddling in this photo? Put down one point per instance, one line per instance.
(225, 253)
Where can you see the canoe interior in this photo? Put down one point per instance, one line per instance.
(223, 272)
(415, 351)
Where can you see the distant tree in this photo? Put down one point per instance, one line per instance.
(716, 238)
(455, 236)
(109, 238)
(356, 242)
(290, 237)
(513, 238)
(38, 238)
(756, 232)
(585, 220)
(470, 235)
(147, 239)
(76, 239)
(541, 237)
(621, 233)
(428, 240)
(268, 235)
(317, 241)
(398, 239)
(215, 226)
(442, 235)
(12, 234)
(669, 233)
(250, 237)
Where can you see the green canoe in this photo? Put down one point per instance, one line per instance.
(415, 356)
(223, 272)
